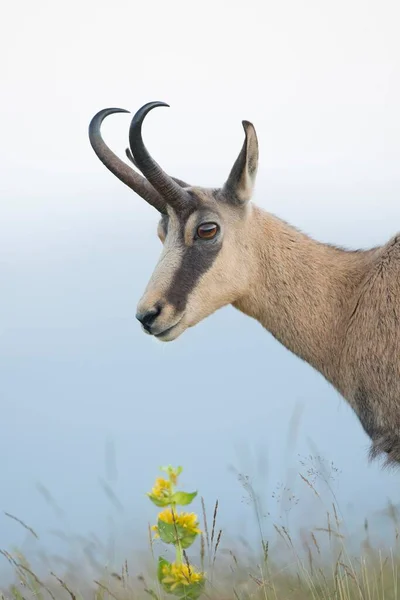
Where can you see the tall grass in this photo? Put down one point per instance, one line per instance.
(319, 562)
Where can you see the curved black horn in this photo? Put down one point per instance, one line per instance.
(133, 161)
(173, 193)
(133, 180)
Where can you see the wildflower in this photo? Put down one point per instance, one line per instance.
(176, 575)
(161, 488)
(177, 528)
(180, 530)
(188, 521)
(161, 492)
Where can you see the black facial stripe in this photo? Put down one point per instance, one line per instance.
(196, 261)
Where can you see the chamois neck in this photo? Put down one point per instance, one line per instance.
(301, 290)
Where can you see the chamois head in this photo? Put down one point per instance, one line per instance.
(204, 231)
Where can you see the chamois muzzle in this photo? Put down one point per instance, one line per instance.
(165, 185)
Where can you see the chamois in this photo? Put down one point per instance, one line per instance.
(336, 309)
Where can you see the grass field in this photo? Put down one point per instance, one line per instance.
(313, 562)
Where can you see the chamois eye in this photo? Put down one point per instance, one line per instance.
(206, 231)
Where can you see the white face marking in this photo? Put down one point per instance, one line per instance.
(193, 278)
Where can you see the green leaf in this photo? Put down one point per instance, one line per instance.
(183, 498)
(187, 540)
(159, 501)
(168, 532)
(161, 563)
(172, 533)
(193, 591)
(186, 592)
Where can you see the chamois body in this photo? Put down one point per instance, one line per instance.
(336, 309)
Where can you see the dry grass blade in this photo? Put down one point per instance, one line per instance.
(287, 534)
(8, 556)
(314, 539)
(217, 545)
(279, 532)
(26, 569)
(310, 485)
(203, 507)
(202, 551)
(257, 581)
(14, 518)
(64, 585)
(214, 522)
(105, 589)
(236, 594)
(330, 532)
(234, 558)
(336, 515)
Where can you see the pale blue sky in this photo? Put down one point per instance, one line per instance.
(321, 84)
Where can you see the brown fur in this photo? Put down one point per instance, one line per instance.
(337, 310)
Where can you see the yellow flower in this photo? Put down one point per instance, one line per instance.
(174, 575)
(187, 521)
(161, 489)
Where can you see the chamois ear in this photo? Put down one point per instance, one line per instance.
(240, 183)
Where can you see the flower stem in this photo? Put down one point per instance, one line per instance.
(178, 545)
(179, 554)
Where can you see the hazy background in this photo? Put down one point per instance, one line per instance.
(81, 386)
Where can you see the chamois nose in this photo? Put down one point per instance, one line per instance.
(147, 318)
